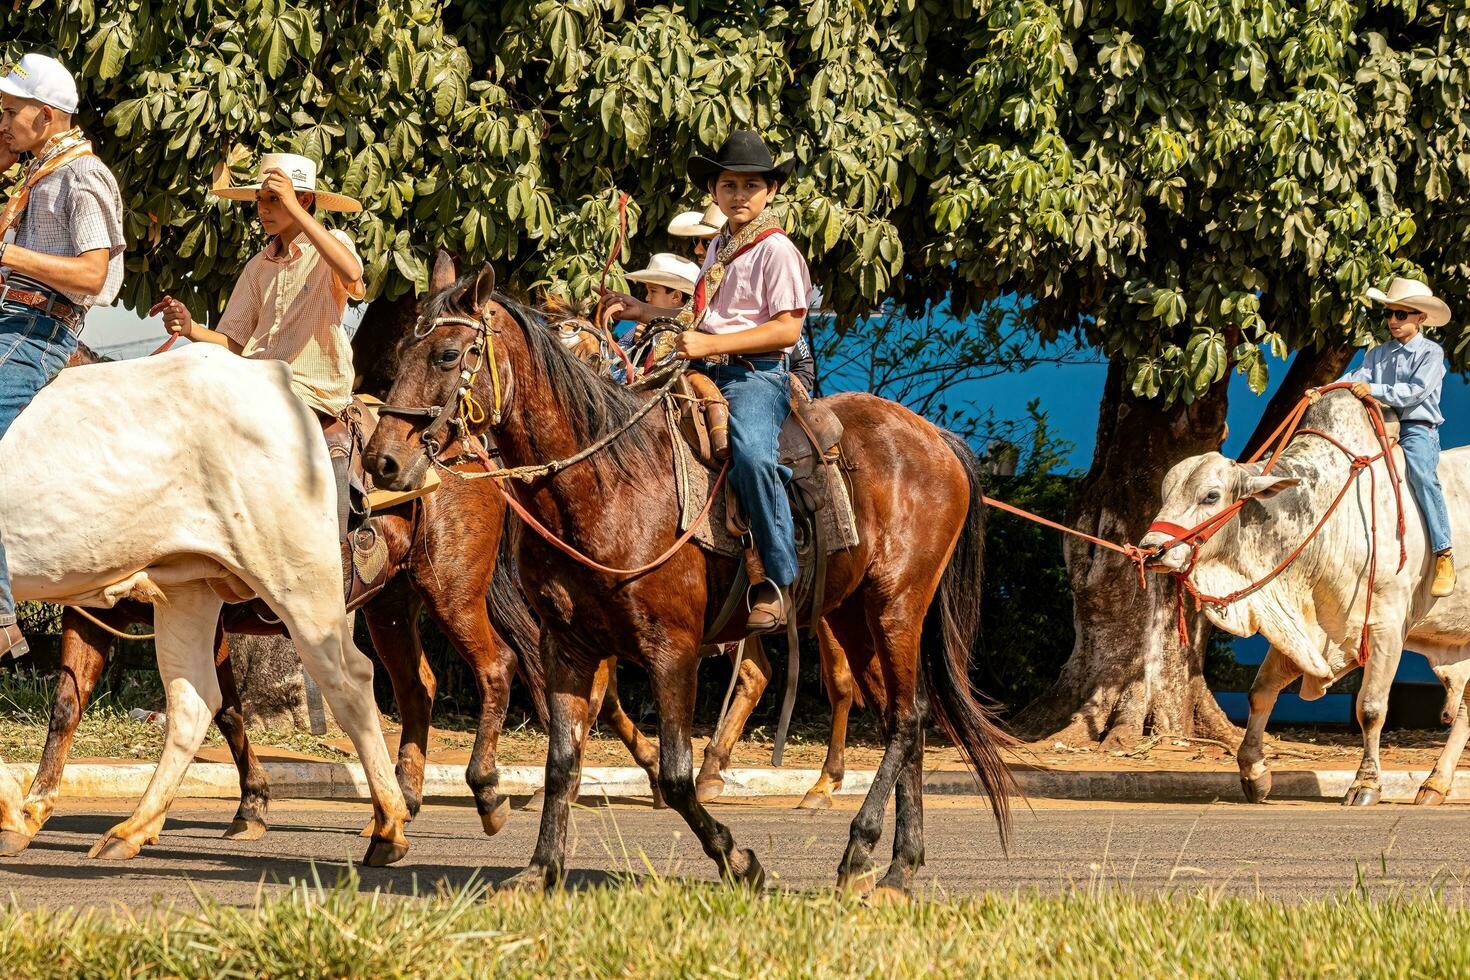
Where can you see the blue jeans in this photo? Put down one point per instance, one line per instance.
(759, 403)
(1420, 442)
(33, 350)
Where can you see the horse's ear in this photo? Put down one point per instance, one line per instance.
(484, 286)
(444, 272)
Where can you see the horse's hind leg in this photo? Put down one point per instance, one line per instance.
(908, 815)
(255, 787)
(640, 746)
(185, 627)
(85, 648)
(755, 676)
(837, 679)
(392, 621)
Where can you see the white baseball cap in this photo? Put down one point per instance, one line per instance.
(42, 79)
(667, 269)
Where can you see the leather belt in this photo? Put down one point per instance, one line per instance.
(69, 315)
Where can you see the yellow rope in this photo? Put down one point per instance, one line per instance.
(115, 632)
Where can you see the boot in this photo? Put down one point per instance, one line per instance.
(1444, 574)
(770, 607)
(13, 642)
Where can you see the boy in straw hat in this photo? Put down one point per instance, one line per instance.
(289, 302)
(1407, 374)
(61, 248)
(740, 326)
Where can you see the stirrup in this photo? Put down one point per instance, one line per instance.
(778, 617)
(13, 642)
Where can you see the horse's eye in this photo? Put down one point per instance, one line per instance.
(1213, 497)
(449, 357)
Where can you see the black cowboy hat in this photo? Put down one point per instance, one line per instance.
(743, 152)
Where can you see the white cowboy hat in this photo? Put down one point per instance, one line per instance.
(1415, 295)
(302, 173)
(698, 224)
(669, 270)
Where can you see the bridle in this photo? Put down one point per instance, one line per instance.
(461, 409)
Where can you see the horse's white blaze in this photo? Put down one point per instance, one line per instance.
(183, 479)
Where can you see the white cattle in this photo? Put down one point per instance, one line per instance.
(186, 480)
(1313, 612)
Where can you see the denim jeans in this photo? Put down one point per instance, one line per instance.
(33, 350)
(1420, 442)
(759, 403)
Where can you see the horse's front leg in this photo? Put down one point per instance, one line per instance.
(750, 684)
(640, 746)
(255, 787)
(837, 678)
(569, 681)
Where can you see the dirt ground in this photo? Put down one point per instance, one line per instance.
(806, 749)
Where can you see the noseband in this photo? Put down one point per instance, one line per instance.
(461, 409)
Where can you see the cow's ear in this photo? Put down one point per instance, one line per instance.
(1265, 487)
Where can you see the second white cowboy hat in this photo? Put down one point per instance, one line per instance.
(1415, 295)
(667, 269)
(301, 171)
(696, 224)
(42, 79)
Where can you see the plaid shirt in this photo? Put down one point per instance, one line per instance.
(74, 210)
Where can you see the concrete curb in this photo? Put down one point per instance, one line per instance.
(344, 780)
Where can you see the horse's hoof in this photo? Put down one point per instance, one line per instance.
(887, 895)
(494, 821)
(1362, 796)
(859, 882)
(815, 799)
(535, 803)
(656, 798)
(242, 828)
(112, 848)
(1428, 797)
(531, 880)
(369, 830)
(12, 842)
(745, 869)
(708, 790)
(34, 818)
(382, 852)
(1256, 790)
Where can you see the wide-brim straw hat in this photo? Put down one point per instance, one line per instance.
(1416, 296)
(698, 224)
(743, 152)
(667, 269)
(301, 171)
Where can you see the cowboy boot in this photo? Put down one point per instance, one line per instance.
(1444, 574)
(13, 642)
(770, 607)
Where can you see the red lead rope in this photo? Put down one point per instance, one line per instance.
(1206, 529)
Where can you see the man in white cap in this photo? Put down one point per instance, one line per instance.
(1407, 374)
(702, 226)
(61, 248)
(289, 302)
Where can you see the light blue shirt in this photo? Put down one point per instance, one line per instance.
(1406, 377)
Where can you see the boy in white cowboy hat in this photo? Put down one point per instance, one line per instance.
(61, 249)
(1407, 374)
(740, 328)
(668, 280)
(289, 302)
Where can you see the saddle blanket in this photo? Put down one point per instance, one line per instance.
(694, 481)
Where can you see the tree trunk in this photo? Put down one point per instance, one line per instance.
(268, 674)
(1128, 674)
(1311, 368)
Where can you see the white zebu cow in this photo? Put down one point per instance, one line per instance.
(184, 480)
(1313, 612)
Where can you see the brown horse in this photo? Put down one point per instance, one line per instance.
(902, 606)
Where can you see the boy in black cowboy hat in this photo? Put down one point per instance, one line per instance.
(740, 328)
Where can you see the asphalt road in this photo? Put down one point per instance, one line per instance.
(1284, 850)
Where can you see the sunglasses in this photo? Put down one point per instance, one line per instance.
(1398, 314)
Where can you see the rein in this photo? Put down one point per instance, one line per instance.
(1196, 536)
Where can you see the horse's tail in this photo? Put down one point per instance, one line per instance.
(514, 621)
(950, 629)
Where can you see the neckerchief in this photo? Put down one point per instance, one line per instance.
(764, 226)
(60, 150)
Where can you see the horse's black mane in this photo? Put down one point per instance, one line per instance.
(594, 406)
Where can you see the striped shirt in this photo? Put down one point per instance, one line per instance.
(73, 210)
(289, 306)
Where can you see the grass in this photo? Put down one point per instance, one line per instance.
(106, 730)
(660, 927)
